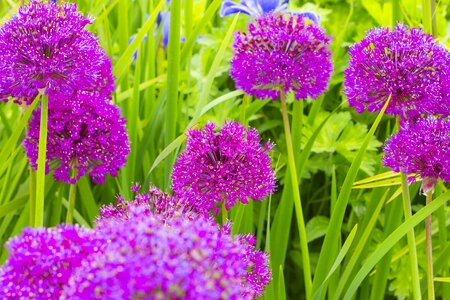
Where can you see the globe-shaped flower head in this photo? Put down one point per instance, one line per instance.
(405, 63)
(42, 260)
(46, 46)
(282, 52)
(222, 167)
(151, 257)
(423, 148)
(155, 202)
(86, 134)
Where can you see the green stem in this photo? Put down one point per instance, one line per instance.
(224, 213)
(426, 8)
(173, 69)
(430, 280)
(32, 180)
(71, 208)
(411, 239)
(434, 29)
(245, 103)
(42, 155)
(396, 12)
(297, 202)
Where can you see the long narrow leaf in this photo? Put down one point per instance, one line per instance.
(392, 240)
(334, 228)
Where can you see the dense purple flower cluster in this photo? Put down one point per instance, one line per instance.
(406, 63)
(41, 261)
(169, 258)
(46, 46)
(282, 52)
(421, 147)
(85, 135)
(223, 166)
(156, 202)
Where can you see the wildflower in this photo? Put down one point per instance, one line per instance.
(155, 202)
(45, 46)
(86, 134)
(153, 257)
(406, 63)
(222, 167)
(254, 8)
(257, 8)
(282, 52)
(423, 148)
(135, 187)
(41, 261)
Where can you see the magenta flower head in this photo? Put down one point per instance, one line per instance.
(41, 260)
(223, 166)
(86, 134)
(155, 202)
(46, 46)
(404, 62)
(423, 148)
(282, 52)
(150, 257)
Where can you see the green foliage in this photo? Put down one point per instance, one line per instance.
(355, 229)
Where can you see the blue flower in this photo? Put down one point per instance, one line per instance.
(254, 8)
(257, 8)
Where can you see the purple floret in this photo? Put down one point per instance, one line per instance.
(86, 134)
(282, 52)
(41, 261)
(46, 46)
(421, 147)
(152, 257)
(223, 167)
(156, 202)
(404, 62)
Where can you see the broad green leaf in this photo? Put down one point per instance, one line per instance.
(316, 227)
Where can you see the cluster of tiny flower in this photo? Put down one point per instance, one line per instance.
(153, 247)
(413, 70)
(46, 49)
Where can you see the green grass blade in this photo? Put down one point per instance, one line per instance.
(340, 257)
(392, 240)
(192, 39)
(76, 214)
(334, 228)
(281, 284)
(9, 146)
(171, 147)
(125, 59)
(212, 72)
(362, 241)
(173, 74)
(41, 165)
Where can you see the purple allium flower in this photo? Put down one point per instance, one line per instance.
(282, 52)
(406, 63)
(421, 147)
(46, 46)
(41, 261)
(222, 167)
(86, 134)
(151, 257)
(156, 202)
(135, 187)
